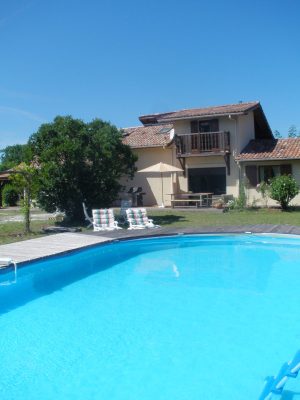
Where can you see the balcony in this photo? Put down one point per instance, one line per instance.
(202, 144)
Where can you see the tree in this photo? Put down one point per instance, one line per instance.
(80, 162)
(24, 179)
(283, 189)
(14, 155)
(292, 131)
(277, 134)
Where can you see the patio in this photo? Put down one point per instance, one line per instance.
(39, 248)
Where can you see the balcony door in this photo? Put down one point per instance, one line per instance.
(207, 180)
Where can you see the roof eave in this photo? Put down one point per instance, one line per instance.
(150, 146)
(206, 116)
(267, 159)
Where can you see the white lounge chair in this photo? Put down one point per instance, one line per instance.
(138, 219)
(104, 220)
(86, 215)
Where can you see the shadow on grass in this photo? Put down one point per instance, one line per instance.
(167, 219)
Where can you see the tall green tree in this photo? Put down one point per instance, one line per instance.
(277, 134)
(24, 179)
(12, 156)
(80, 162)
(292, 131)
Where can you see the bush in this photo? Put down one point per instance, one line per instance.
(236, 204)
(264, 189)
(283, 189)
(10, 196)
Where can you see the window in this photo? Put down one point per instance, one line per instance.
(207, 180)
(267, 172)
(164, 130)
(199, 126)
(263, 173)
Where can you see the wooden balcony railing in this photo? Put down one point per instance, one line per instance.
(202, 143)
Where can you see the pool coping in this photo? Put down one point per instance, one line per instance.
(92, 239)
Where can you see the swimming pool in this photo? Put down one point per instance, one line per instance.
(185, 317)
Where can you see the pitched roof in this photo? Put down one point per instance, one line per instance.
(148, 136)
(200, 112)
(280, 149)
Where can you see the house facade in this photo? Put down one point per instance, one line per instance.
(217, 148)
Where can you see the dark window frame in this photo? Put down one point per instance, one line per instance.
(197, 125)
(254, 173)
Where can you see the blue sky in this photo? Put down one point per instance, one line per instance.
(116, 60)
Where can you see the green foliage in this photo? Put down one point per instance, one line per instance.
(236, 204)
(277, 134)
(10, 195)
(292, 132)
(283, 189)
(24, 178)
(80, 162)
(264, 189)
(14, 155)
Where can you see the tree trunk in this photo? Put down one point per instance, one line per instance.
(26, 211)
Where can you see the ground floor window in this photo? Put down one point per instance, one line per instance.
(207, 180)
(263, 173)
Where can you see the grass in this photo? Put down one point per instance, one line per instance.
(179, 219)
(13, 231)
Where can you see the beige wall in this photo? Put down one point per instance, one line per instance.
(214, 162)
(255, 198)
(151, 182)
(241, 130)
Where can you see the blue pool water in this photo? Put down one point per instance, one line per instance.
(181, 318)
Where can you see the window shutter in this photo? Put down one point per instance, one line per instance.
(285, 169)
(194, 126)
(251, 174)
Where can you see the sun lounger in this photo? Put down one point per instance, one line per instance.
(104, 220)
(138, 219)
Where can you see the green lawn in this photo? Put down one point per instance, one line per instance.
(13, 231)
(176, 218)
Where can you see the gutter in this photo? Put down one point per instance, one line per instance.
(151, 147)
(268, 159)
(212, 115)
(203, 116)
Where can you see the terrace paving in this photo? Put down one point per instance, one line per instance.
(42, 247)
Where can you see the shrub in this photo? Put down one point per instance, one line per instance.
(236, 204)
(264, 189)
(283, 189)
(10, 196)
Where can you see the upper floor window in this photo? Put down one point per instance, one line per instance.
(200, 126)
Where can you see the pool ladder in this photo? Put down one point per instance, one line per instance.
(5, 264)
(274, 385)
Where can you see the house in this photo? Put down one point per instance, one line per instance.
(218, 148)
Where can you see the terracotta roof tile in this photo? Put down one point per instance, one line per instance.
(147, 136)
(201, 112)
(279, 149)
